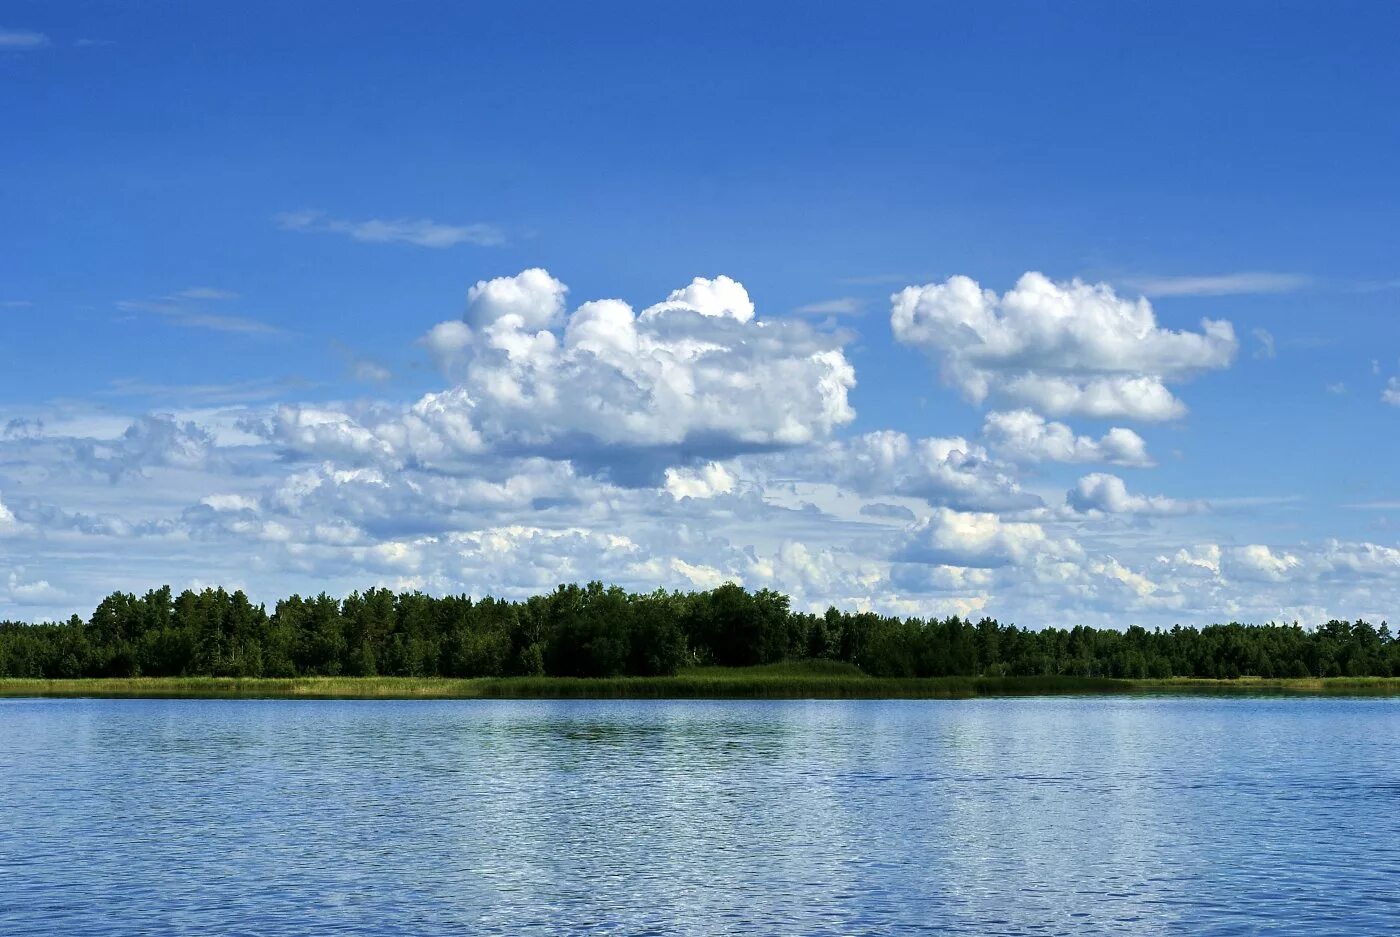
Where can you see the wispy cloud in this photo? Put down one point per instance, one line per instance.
(422, 232)
(1266, 347)
(241, 325)
(1376, 286)
(179, 309)
(1226, 284)
(86, 43)
(1391, 394)
(197, 293)
(362, 368)
(21, 40)
(878, 279)
(15, 304)
(203, 394)
(842, 306)
(370, 372)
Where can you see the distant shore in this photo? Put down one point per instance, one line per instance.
(781, 681)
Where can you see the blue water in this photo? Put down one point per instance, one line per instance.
(1030, 816)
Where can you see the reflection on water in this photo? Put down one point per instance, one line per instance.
(985, 816)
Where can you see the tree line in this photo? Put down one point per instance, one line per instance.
(594, 630)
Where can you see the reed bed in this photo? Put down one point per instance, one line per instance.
(794, 680)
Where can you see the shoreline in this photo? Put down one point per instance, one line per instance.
(707, 683)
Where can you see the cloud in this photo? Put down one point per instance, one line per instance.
(943, 471)
(512, 525)
(1107, 494)
(369, 372)
(230, 502)
(529, 301)
(718, 298)
(1026, 436)
(704, 482)
(1391, 394)
(1228, 284)
(37, 592)
(1111, 570)
(694, 378)
(876, 279)
(1376, 286)
(9, 524)
(202, 394)
(843, 306)
(149, 442)
(1257, 561)
(1061, 348)
(22, 40)
(1332, 566)
(978, 540)
(180, 309)
(422, 232)
(197, 293)
(23, 428)
(893, 512)
(1201, 559)
(1266, 347)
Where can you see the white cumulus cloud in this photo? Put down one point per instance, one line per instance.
(1257, 561)
(704, 482)
(944, 471)
(1026, 436)
(979, 540)
(1061, 348)
(1107, 494)
(692, 378)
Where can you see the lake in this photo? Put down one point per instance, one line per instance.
(990, 816)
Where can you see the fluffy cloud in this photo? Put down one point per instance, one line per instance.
(720, 297)
(818, 575)
(1062, 348)
(978, 540)
(1026, 436)
(1107, 494)
(9, 524)
(692, 378)
(1257, 561)
(1199, 560)
(527, 302)
(1110, 570)
(680, 446)
(116, 448)
(944, 471)
(705, 482)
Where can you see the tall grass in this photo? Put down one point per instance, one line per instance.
(789, 680)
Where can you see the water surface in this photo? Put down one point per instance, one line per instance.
(1011, 816)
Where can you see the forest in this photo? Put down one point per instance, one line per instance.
(597, 631)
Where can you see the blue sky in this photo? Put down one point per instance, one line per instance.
(228, 225)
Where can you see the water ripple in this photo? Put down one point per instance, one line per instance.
(1104, 816)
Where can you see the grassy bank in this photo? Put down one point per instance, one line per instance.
(802, 680)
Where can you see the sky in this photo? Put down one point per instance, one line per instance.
(1060, 313)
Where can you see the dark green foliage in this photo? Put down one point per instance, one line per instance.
(595, 631)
